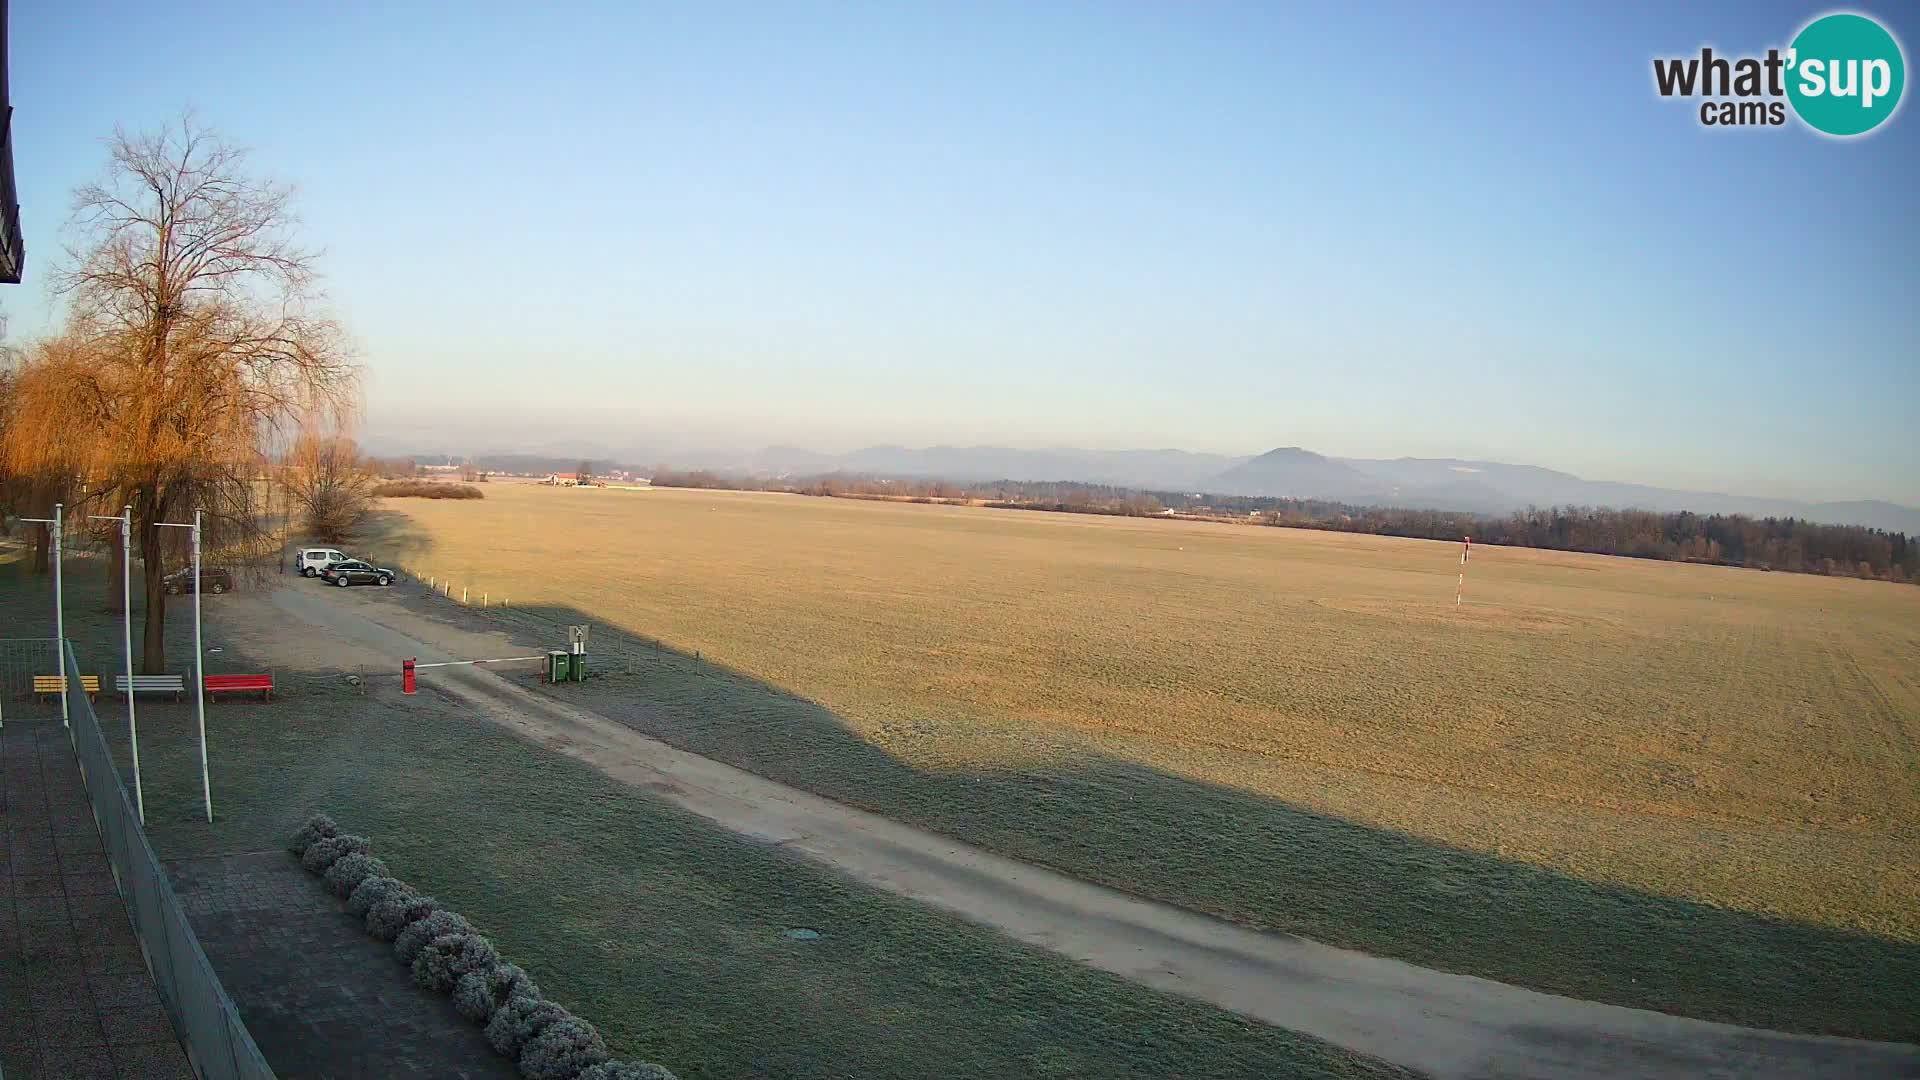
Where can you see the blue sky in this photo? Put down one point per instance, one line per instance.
(1371, 230)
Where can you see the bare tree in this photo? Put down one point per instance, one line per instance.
(330, 485)
(190, 346)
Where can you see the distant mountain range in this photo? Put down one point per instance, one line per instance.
(1486, 487)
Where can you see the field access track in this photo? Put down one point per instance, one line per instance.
(1443, 1024)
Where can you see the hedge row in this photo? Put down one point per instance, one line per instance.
(448, 955)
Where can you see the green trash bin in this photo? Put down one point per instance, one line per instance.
(559, 666)
(579, 667)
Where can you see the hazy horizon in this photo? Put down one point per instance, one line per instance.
(1479, 234)
(694, 450)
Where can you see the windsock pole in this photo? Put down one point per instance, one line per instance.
(1466, 552)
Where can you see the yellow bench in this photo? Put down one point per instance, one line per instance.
(55, 685)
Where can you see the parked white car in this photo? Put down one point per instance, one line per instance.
(311, 561)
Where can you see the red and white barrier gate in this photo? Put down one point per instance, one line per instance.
(408, 667)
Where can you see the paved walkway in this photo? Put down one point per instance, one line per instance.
(76, 999)
(321, 996)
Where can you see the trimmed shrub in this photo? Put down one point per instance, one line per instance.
(518, 1021)
(371, 890)
(318, 827)
(348, 871)
(449, 957)
(325, 852)
(562, 1050)
(479, 992)
(415, 938)
(399, 910)
(626, 1070)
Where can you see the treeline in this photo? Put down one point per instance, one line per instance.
(1790, 544)
(427, 489)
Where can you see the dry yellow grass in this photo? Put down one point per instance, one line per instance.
(1737, 741)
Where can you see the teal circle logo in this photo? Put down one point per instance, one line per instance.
(1845, 74)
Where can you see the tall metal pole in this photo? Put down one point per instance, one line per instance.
(199, 673)
(126, 639)
(59, 609)
(125, 519)
(59, 606)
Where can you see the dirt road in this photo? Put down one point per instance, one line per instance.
(1442, 1024)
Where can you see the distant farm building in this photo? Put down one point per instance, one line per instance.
(567, 479)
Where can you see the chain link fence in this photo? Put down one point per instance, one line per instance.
(209, 1026)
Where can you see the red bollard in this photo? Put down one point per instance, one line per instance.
(406, 676)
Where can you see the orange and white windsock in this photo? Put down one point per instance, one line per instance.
(1466, 552)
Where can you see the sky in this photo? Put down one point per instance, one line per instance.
(1371, 230)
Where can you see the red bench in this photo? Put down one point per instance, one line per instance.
(220, 684)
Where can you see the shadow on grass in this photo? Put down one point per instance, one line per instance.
(1263, 862)
(1260, 861)
(668, 932)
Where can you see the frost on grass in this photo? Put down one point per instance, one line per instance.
(478, 993)
(398, 910)
(449, 957)
(348, 871)
(518, 1021)
(318, 827)
(561, 1050)
(323, 853)
(626, 1070)
(372, 890)
(417, 935)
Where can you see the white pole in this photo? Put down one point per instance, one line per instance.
(126, 637)
(199, 673)
(59, 610)
(59, 615)
(125, 519)
(1460, 588)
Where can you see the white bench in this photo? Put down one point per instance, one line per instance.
(153, 684)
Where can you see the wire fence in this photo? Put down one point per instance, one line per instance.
(21, 659)
(209, 1026)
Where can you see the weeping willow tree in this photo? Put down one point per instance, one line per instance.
(191, 347)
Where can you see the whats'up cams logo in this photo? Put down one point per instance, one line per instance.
(1842, 75)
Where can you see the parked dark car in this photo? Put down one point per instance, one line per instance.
(355, 572)
(213, 579)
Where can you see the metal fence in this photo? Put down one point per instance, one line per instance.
(20, 660)
(217, 1042)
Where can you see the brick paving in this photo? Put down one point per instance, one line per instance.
(76, 999)
(321, 997)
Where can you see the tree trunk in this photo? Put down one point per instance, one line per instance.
(153, 633)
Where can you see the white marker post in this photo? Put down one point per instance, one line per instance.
(199, 665)
(125, 518)
(59, 604)
(1466, 551)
